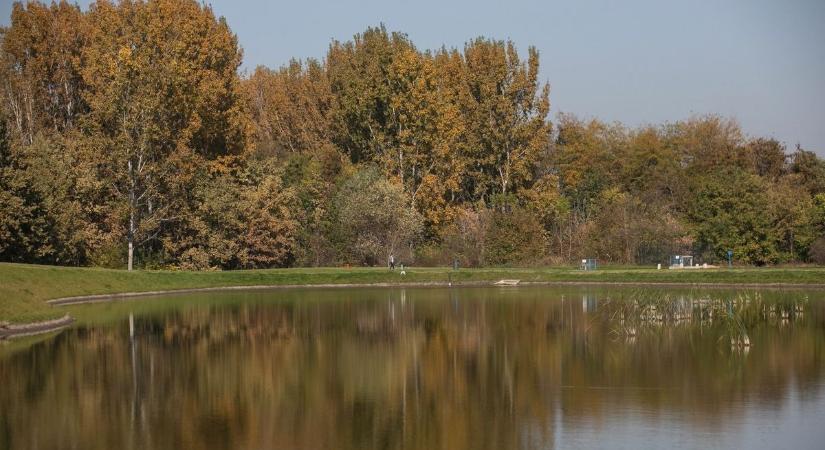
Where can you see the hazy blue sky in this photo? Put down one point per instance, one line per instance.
(635, 61)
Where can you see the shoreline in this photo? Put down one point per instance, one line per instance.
(99, 298)
(9, 331)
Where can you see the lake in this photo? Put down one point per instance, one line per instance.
(425, 368)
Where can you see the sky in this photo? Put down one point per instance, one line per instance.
(761, 62)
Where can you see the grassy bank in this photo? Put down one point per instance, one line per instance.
(25, 288)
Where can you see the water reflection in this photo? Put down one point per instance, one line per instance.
(426, 368)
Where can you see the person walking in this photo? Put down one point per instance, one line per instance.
(392, 262)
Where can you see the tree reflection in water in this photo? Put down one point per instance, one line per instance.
(417, 368)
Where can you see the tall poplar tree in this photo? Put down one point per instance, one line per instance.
(162, 88)
(507, 115)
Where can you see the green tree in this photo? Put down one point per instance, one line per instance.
(23, 224)
(808, 170)
(313, 178)
(731, 210)
(374, 220)
(793, 213)
(40, 218)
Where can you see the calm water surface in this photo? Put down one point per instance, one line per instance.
(474, 368)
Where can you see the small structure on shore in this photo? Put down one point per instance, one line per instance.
(681, 261)
(588, 264)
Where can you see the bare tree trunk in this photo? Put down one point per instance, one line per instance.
(30, 118)
(401, 166)
(626, 233)
(130, 236)
(131, 240)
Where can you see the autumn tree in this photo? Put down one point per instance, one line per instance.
(512, 236)
(506, 114)
(245, 218)
(291, 108)
(359, 77)
(443, 194)
(128, 123)
(586, 155)
(704, 143)
(150, 144)
(40, 63)
(768, 157)
(650, 166)
(628, 230)
(413, 119)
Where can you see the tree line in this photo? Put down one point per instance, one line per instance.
(130, 137)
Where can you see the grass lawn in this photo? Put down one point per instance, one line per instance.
(24, 288)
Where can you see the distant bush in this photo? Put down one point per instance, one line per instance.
(373, 219)
(464, 239)
(512, 237)
(817, 251)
